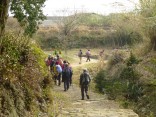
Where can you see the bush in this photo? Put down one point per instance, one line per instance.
(132, 60)
(125, 85)
(22, 71)
(100, 80)
(116, 58)
(111, 87)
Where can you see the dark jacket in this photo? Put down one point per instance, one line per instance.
(66, 74)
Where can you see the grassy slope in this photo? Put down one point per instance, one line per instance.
(146, 70)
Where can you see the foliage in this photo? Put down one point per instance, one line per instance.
(148, 9)
(116, 58)
(22, 76)
(94, 20)
(126, 85)
(14, 53)
(28, 14)
(99, 80)
(147, 103)
(152, 67)
(121, 38)
(132, 60)
(131, 76)
(81, 30)
(129, 87)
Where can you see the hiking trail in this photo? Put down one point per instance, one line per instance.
(97, 106)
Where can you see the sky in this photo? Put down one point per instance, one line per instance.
(68, 7)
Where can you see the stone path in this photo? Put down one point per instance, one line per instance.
(97, 106)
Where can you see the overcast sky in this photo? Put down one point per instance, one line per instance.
(60, 7)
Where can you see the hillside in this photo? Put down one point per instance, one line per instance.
(81, 30)
(129, 77)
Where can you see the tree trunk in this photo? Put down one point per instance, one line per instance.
(4, 7)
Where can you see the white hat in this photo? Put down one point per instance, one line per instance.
(84, 69)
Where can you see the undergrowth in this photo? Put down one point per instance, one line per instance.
(126, 85)
(24, 79)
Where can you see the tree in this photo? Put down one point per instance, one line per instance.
(66, 26)
(27, 12)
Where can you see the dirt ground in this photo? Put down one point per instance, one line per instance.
(97, 106)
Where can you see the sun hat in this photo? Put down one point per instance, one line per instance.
(84, 69)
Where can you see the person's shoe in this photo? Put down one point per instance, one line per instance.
(87, 96)
(82, 99)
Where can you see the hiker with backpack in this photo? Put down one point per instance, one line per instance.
(84, 83)
(66, 73)
(80, 56)
(71, 74)
(88, 55)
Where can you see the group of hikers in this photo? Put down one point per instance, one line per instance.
(61, 71)
(80, 55)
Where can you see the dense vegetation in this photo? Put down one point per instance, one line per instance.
(23, 76)
(92, 28)
(130, 76)
(25, 83)
(131, 79)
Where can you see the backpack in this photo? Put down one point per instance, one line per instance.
(88, 53)
(66, 72)
(80, 54)
(85, 79)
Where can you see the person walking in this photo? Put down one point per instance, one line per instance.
(66, 76)
(80, 56)
(88, 55)
(71, 74)
(85, 80)
(59, 70)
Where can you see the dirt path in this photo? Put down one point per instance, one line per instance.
(83, 62)
(97, 106)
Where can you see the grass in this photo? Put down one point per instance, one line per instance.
(59, 101)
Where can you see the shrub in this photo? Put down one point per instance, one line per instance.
(125, 85)
(129, 74)
(100, 80)
(116, 58)
(22, 71)
(132, 60)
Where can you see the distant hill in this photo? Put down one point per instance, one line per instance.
(51, 20)
(84, 19)
(54, 17)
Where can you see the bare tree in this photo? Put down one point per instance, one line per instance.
(67, 25)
